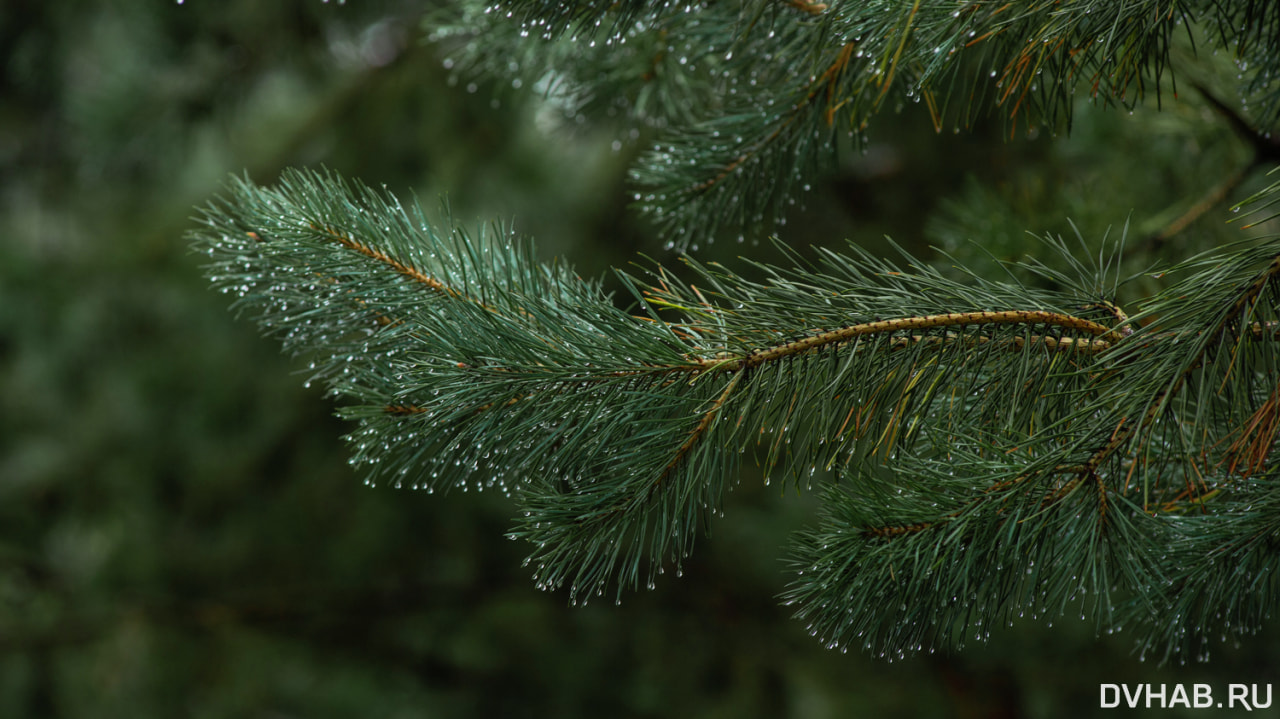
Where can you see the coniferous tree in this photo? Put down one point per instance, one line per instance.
(1029, 445)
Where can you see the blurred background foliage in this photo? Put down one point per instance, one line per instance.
(180, 534)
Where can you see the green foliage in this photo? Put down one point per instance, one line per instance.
(778, 85)
(998, 448)
(180, 534)
(1002, 449)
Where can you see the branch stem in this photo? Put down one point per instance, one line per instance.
(812, 342)
(707, 418)
(406, 270)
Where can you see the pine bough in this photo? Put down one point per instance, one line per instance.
(998, 449)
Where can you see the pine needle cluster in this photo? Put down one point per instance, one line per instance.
(752, 98)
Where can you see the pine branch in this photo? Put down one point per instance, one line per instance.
(1252, 29)
(1098, 533)
(645, 73)
(1026, 61)
(1003, 449)
(752, 98)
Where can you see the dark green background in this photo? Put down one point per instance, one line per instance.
(180, 534)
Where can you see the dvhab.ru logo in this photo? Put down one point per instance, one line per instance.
(1200, 696)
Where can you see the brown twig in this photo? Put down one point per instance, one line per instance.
(406, 270)
(813, 8)
(707, 418)
(1265, 149)
(822, 339)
